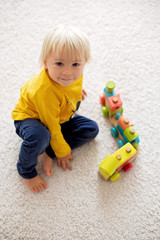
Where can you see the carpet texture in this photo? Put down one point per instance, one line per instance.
(125, 43)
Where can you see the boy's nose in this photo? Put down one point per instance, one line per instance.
(67, 71)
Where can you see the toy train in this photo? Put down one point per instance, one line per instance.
(123, 129)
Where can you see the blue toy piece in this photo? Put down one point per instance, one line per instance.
(114, 132)
(120, 143)
(120, 129)
(118, 114)
(109, 94)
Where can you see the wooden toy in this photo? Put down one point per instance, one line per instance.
(112, 164)
(123, 129)
(111, 101)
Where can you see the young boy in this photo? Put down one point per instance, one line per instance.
(44, 115)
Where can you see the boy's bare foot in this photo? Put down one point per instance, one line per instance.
(46, 164)
(36, 184)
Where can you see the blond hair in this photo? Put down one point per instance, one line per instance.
(65, 37)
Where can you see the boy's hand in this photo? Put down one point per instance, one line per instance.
(84, 94)
(64, 162)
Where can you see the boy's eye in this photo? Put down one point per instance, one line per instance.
(76, 64)
(59, 63)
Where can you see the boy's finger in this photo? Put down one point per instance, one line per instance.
(85, 93)
(69, 165)
(72, 157)
(64, 165)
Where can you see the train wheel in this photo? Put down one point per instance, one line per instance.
(127, 167)
(115, 176)
(105, 112)
(121, 110)
(102, 99)
(114, 132)
(120, 143)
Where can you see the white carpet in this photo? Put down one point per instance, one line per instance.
(125, 42)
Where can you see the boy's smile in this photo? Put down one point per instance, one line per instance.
(64, 70)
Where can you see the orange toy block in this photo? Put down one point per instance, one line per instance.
(124, 122)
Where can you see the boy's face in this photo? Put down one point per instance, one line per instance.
(64, 70)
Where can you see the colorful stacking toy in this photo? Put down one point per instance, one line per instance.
(128, 138)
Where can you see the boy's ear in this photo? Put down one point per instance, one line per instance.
(45, 64)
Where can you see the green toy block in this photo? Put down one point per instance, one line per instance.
(130, 133)
(110, 86)
(135, 146)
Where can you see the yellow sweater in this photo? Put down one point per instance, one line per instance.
(53, 104)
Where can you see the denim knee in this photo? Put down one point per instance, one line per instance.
(90, 131)
(39, 139)
(79, 130)
(94, 129)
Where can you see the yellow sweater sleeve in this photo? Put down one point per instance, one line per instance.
(49, 111)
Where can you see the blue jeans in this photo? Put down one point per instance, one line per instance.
(36, 140)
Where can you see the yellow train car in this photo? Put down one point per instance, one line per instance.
(112, 164)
